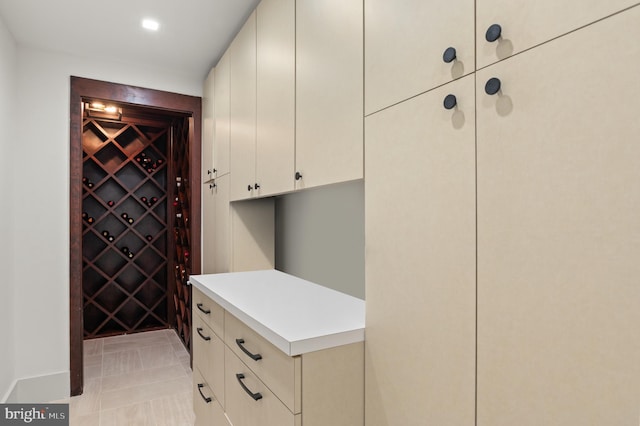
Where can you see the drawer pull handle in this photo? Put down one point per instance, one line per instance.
(205, 311)
(255, 357)
(255, 396)
(200, 386)
(205, 338)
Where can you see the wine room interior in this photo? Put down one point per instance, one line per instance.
(136, 204)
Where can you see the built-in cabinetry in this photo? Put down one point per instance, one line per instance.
(420, 264)
(242, 112)
(296, 93)
(274, 350)
(533, 157)
(405, 47)
(275, 95)
(558, 231)
(247, 228)
(222, 91)
(329, 92)
(208, 206)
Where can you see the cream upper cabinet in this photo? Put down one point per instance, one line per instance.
(329, 91)
(525, 24)
(208, 127)
(420, 260)
(275, 126)
(414, 46)
(559, 231)
(242, 111)
(221, 113)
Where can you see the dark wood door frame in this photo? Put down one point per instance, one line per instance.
(82, 88)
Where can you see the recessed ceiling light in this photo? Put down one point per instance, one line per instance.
(150, 24)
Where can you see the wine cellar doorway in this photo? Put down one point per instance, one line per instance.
(135, 221)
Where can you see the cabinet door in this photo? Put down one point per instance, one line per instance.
(528, 23)
(420, 264)
(222, 237)
(208, 357)
(244, 409)
(329, 91)
(207, 409)
(222, 93)
(242, 116)
(404, 46)
(209, 234)
(559, 232)
(208, 127)
(275, 133)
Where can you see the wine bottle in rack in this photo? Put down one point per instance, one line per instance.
(149, 237)
(90, 220)
(130, 220)
(105, 233)
(143, 199)
(125, 216)
(110, 203)
(85, 215)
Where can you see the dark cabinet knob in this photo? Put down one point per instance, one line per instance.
(256, 186)
(212, 185)
(450, 101)
(209, 172)
(249, 187)
(298, 175)
(493, 33)
(215, 171)
(493, 86)
(449, 54)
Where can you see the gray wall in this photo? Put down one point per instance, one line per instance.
(320, 236)
(8, 79)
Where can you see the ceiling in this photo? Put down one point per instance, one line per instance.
(193, 34)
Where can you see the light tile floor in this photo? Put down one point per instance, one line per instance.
(141, 379)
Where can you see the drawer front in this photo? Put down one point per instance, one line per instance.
(280, 372)
(208, 356)
(209, 311)
(207, 409)
(244, 409)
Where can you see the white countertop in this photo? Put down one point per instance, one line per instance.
(295, 315)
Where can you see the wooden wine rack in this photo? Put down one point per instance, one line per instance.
(181, 230)
(125, 239)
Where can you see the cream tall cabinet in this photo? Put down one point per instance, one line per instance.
(329, 92)
(420, 265)
(242, 111)
(221, 114)
(275, 115)
(208, 130)
(559, 232)
(552, 290)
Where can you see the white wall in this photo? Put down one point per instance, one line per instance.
(8, 67)
(41, 209)
(320, 236)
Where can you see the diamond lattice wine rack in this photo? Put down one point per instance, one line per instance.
(125, 239)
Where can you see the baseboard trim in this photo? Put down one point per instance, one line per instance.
(39, 389)
(9, 393)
